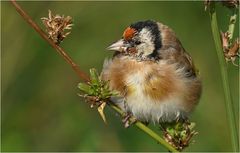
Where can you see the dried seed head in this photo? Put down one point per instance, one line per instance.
(233, 52)
(179, 134)
(225, 40)
(206, 4)
(228, 3)
(231, 3)
(56, 26)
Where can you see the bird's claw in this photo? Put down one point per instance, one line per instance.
(128, 120)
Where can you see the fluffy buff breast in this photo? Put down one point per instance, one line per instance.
(156, 92)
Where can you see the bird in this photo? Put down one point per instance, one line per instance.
(155, 78)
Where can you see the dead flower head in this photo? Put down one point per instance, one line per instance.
(228, 3)
(225, 40)
(56, 26)
(231, 3)
(179, 134)
(206, 4)
(231, 51)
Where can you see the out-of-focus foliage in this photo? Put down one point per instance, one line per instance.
(40, 107)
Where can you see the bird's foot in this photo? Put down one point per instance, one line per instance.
(128, 119)
(145, 123)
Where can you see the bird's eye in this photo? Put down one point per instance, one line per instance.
(137, 42)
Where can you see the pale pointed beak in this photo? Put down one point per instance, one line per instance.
(118, 46)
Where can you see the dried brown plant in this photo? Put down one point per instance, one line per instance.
(56, 26)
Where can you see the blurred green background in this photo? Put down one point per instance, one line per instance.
(40, 107)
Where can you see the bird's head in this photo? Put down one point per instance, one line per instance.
(140, 39)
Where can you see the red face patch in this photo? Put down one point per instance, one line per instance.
(129, 33)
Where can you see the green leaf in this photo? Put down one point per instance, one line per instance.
(84, 87)
(192, 125)
(114, 93)
(94, 77)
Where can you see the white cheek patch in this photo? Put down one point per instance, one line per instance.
(147, 45)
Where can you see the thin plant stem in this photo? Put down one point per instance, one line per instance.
(224, 74)
(86, 78)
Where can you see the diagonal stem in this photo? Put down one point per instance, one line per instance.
(60, 50)
(84, 77)
(145, 129)
(224, 74)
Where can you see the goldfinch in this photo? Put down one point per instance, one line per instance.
(153, 74)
